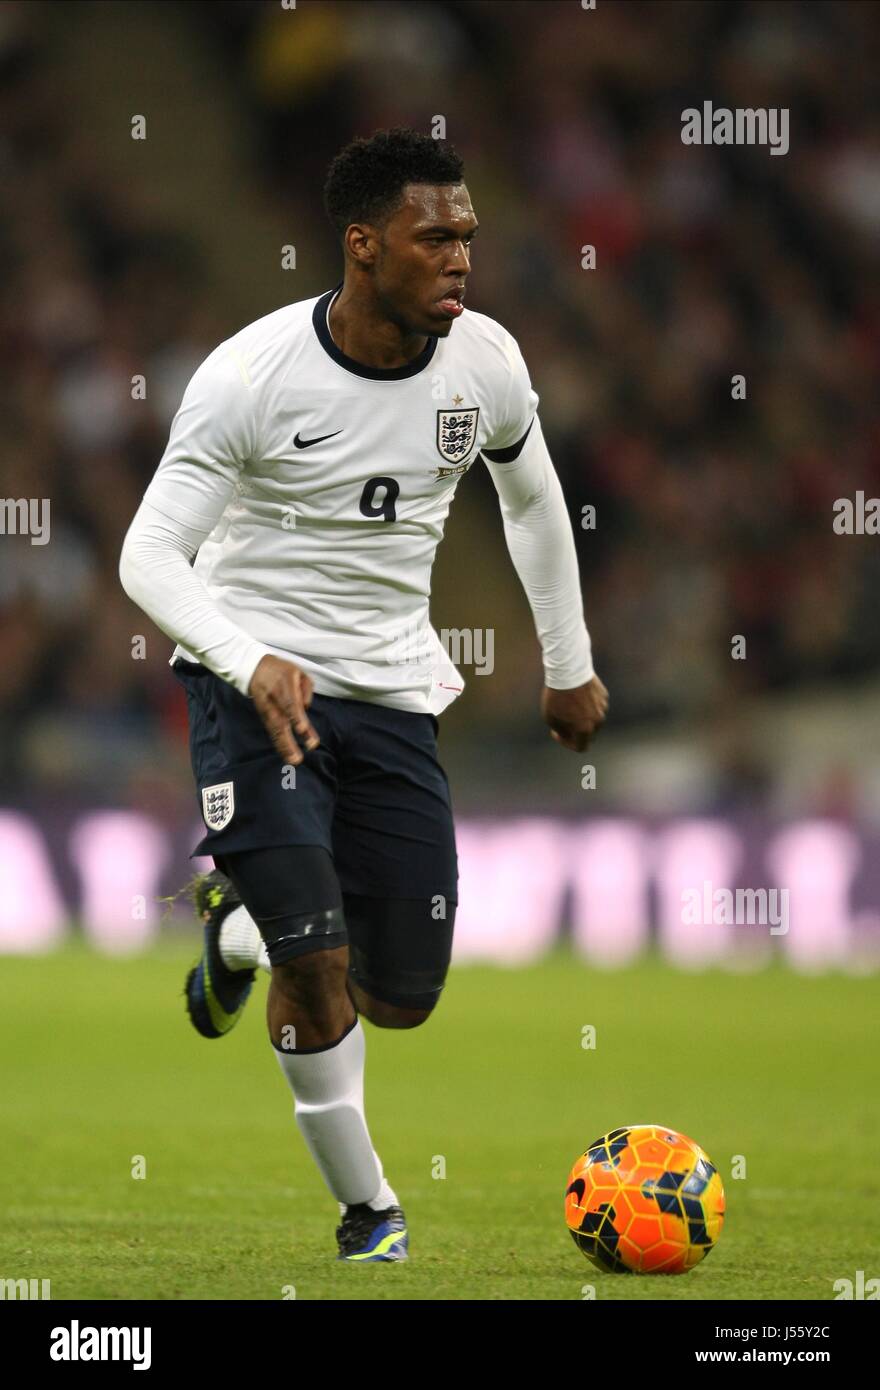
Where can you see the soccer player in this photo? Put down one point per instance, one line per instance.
(310, 469)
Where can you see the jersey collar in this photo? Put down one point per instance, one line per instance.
(325, 338)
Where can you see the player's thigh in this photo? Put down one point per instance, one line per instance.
(393, 833)
(400, 948)
(395, 853)
(294, 896)
(248, 798)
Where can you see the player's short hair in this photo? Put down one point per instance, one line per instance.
(365, 181)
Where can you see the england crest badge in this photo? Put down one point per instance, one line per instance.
(456, 433)
(218, 805)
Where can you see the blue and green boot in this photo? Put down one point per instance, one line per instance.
(215, 995)
(370, 1236)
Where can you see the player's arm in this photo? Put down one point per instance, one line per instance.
(540, 540)
(212, 434)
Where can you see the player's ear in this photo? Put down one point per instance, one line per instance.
(361, 242)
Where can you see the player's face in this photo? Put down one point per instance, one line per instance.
(424, 259)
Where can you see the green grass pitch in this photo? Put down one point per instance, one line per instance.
(102, 1065)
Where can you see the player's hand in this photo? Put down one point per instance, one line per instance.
(282, 693)
(575, 715)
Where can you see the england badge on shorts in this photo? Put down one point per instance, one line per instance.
(218, 805)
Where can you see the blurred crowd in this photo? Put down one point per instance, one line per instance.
(713, 514)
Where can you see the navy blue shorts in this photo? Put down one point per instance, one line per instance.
(372, 793)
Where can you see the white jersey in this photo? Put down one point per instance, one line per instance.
(332, 482)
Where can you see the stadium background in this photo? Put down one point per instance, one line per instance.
(714, 518)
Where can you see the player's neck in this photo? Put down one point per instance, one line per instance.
(363, 333)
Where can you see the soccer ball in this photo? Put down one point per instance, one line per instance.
(644, 1200)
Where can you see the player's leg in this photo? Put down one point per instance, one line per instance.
(247, 799)
(385, 1015)
(294, 897)
(400, 950)
(393, 837)
(306, 1002)
(218, 987)
(395, 853)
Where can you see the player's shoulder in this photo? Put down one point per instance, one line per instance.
(493, 355)
(253, 352)
(484, 329)
(259, 344)
(278, 323)
(494, 344)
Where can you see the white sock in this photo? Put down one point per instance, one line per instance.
(387, 1198)
(328, 1089)
(241, 946)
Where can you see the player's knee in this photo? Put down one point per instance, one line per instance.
(312, 978)
(384, 1015)
(390, 1016)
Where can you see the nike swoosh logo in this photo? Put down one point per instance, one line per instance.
(307, 443)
